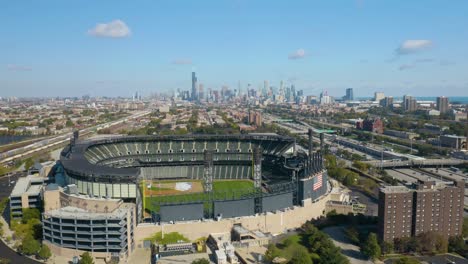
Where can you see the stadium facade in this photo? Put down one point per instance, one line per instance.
(118, 169)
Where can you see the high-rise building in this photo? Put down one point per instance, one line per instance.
(378, 96)
(201, 92)
(349, 94)
(442, 104)
(255, 118)
(194, 87)
(387, 102)
(409, 103)
(426, 206)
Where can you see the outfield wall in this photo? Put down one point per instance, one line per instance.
(275, 223)
(181, 212)
(234, 208)
(277, 202)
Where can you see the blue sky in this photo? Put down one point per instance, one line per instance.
(72, 48)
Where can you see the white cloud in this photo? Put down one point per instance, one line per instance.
(427, 60)
(298, 54)
(413, 45)
(185, 61)
(406, 67)
(15, 67)
(114, 29)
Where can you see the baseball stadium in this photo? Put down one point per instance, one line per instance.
(193, 177)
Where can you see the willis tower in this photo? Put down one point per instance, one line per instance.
(194, 87)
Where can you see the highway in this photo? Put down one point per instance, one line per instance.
(416, 163)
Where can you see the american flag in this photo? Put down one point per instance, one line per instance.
(317, 182)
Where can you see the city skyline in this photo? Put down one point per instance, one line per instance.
(397, 48)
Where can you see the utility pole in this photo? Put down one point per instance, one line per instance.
(381, 157)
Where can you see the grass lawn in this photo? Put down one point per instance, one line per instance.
(169, 238)
(223, 189)
(292, 244)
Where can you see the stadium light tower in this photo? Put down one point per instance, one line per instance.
(257, 167)
(208, 171)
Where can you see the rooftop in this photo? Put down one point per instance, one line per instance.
(30, 184)
(394, 189)
(79, 213)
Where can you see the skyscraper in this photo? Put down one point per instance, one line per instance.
(349, 94)
(442, 104)
(194, 87)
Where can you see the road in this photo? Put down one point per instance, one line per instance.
(5, 251)
(351, 251)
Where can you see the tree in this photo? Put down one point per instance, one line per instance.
(351, 178)
(457, 244)
(406, 260)
(44, 253)
(301, 256)
(387, 247)
(361, 166)
(272, 252)
(201, 261)
(465, 227)
(30, 213)
(86, 259)
(352, 234)
(5, 261)
(29, 245)
(371, 247)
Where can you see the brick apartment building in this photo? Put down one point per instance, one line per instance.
(255, 118)
(373, 125)
(423, 207)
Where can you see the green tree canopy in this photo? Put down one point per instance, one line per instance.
(44, 253)
(201, 261)
(301, 256)
(86, 258)
(29, 245)
(30, 213)
(371, 247)
(407, 260)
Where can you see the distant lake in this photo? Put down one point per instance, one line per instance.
(459, 99)
(11, 138)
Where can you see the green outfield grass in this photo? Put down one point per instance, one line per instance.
(223, 189)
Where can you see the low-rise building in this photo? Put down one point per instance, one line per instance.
(401, 134)
(453, 141)
(27, 193)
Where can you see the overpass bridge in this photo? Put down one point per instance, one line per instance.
(415, 163)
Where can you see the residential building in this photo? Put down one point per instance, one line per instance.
(349, 94)
(378, 96)
(409, 103)
(373, 125)
(424, 207)
(442, 104)
(387, 102)
(255, 118)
